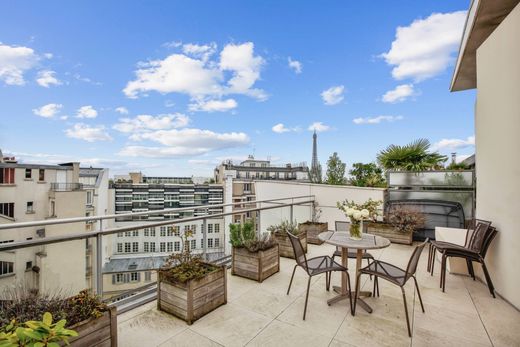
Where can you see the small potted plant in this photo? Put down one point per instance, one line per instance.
(279, 234)
(253, 257)
(188, 287)
(358, 213)
(313, 227)
(94, 323)
(399, 225)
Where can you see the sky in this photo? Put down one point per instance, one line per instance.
(173, 88)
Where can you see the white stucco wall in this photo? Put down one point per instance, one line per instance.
(326, 196)
(497, 146)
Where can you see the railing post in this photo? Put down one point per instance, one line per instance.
(205, 238)
(291, 211)
(99, 260)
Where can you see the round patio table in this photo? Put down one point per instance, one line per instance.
(343, 240)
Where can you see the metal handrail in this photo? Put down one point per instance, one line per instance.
(130, 214)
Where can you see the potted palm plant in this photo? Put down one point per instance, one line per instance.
(279, 234)
(93, 322)
(188, 287)
(254, 257)
(314, 227)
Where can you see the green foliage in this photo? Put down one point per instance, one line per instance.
(367, 175)
(457, 166)
(283, 228)
(25, 305)
(244, 235)
(411, 157)
(35, 333)
(335, 170)
(184, 266)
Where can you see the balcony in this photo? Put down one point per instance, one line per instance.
(259, 314)
(66, 187)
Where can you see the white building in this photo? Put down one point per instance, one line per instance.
(32, 192)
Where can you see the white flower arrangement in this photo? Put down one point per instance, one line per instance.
(360, 212)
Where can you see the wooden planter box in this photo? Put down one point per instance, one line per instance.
(99, 332)
(313, 229)
(255, 265)
(284, 243)
(388, 231)
(191, 300)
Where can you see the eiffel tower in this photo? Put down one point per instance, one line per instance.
(315, 171)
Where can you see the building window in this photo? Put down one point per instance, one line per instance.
(210, 243)
(176, 230)
(128, 233)
(118, 278)
(146, 247)
(178, 246)
(41, 175)
(152, 232)
(162, 247)
(169, 247)
(163, 231)
(119, 234)
(134, 277)
(128, 248)
(152, 246)
(146, 232)
(28, 173)
(7, 209)
(217, 243)
(148, 276)
(135, 233)
(6, 267)
(135, 247)
(7, 175)
(30, 207)
(194, 229)
(170, 231)
(119, 248)
(28, 265)
(193, 244)
(89, 197)
(210, 228)
(217, 228)
(202, 243)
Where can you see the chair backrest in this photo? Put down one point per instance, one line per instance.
(471, 230)
(299, 252)
(478, 237)
(414, 259)
(341, 225)
(492, 232)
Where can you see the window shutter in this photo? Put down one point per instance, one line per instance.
(138, 277)
(127, 278)
(113, 279)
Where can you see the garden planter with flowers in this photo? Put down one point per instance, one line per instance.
(279, 234)
(398, 226)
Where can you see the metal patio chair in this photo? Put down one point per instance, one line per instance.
(395, 275)
(313, 267)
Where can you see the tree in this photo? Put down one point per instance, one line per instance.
(335, 170)
(366, 175)
(411, 157)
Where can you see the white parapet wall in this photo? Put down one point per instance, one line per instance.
(325, 195)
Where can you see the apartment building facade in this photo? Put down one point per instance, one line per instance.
(136, 253)
(33, 192)
(243, 176)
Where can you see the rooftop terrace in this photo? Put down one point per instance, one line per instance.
(261, 314)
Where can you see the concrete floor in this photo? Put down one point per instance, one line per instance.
(263, 315)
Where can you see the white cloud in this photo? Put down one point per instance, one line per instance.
(86, 112)
(194, 74)
(185, 142)
(146, 122)
(280, 128)
(425, 48)
(14, 62)
(213, 105)
(295, 65)
(48, 111)
(88, 133)
(203, 52)
(333, 95)
(64, 117)
(122, 110)
(318, 127)
(399, 94)
(46, 78)
(453, 144)
(376, 120)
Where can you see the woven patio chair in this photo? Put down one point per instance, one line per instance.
(313, 267)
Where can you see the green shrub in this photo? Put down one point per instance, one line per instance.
(284, 227)
(244, 236)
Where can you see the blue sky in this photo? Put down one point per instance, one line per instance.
(172, 88)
